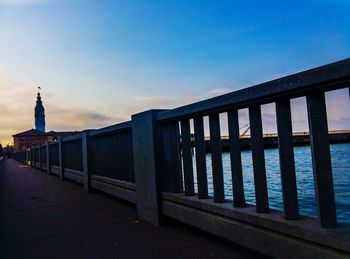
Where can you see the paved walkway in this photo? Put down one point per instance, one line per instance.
(43, 217)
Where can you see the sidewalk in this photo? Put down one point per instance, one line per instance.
(43, 217)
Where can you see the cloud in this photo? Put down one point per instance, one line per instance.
(167, 102)
(75, 118)
(17, 111)
(158, 100)
(338, 109)
(18, 100)
(214, 92)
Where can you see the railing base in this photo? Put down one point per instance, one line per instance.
(269, 234)
(119, 192)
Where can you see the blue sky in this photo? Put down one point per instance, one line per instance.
(100, 61)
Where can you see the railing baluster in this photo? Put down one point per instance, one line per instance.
(287, 163)
(85, 145)
(187, 156)
(36, 156)
(200, 158)
(260, 184)
(33, 157)
(321, 159)
(236, 160)
(216, 156)
(40, 158)
(172, 177)
(61, 157)
(48, 161)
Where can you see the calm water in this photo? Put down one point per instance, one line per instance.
(340, 154)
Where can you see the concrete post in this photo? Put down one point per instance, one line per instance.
(48, 165)
(28, 156)
(146, 164)
(33, 156)
(40, 159)
(60, 157)
(85, 150)
(171, 176)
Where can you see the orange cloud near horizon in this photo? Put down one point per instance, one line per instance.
(18, 101)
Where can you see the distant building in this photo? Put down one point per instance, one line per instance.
(33, 137)
(39, 114)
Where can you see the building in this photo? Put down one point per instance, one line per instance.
(39, 114)
(33, 137)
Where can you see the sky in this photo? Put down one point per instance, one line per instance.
(99, 61)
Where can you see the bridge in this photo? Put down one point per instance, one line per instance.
(148, 161)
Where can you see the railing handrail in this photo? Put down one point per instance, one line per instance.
(331, 77)
(52, 143)
(72, 137)
(123, 126)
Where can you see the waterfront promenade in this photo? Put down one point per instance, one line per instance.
(148, 161)
(42, 217)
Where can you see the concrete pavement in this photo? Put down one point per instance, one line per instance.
(43, 217)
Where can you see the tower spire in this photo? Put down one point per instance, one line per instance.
(39, 113)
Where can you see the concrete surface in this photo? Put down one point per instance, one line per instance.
(42, 217)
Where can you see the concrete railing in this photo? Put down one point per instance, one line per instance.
(90, 158)
(149, 161)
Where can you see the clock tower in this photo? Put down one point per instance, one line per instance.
(39, 114)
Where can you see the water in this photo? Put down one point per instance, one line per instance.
(340, 154)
